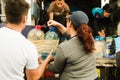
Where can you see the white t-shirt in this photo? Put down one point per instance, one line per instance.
(16, 52)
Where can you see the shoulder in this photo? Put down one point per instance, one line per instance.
(64, 45)
(52, 6)
(27, 43)
(75, 41)
(61, 50)
(30, 45)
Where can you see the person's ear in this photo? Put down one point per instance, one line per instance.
(68, 22)
(71, 24)
(24, 19)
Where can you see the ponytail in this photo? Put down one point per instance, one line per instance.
(85, 36)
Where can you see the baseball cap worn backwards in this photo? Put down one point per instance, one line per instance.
(78, 17)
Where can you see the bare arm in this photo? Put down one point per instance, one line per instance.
(51, 16)
(61, 28)
(51, 10)
(35, 74)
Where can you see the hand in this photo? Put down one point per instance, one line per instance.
(50, 56)
(101, 33)
(53, 23)
(40, 60)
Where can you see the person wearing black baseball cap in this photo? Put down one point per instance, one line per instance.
(75, 59)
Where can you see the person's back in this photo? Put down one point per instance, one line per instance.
(15, 54)
(78, 65)
(75, 59)
(18, 56)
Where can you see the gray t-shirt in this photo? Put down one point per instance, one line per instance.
(72, 62)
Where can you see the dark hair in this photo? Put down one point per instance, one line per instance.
(15, 9)
(110, 7)
(106, 6)
(85, 36)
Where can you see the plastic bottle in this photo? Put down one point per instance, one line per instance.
(107, 52)
(36, 33)
(64, 38)
(51, 34)
(99, 46)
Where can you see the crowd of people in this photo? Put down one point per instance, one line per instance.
(106, 24)
(74, 59)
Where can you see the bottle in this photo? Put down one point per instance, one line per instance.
(107, 49)
(64, 38)
(99, 46)
(51, 34)
(36, 33)
(107, 52)
(52, 41)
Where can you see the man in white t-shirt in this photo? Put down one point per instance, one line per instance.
(16, 52)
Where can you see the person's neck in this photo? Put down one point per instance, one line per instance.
(73, 34)
(15, 27)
